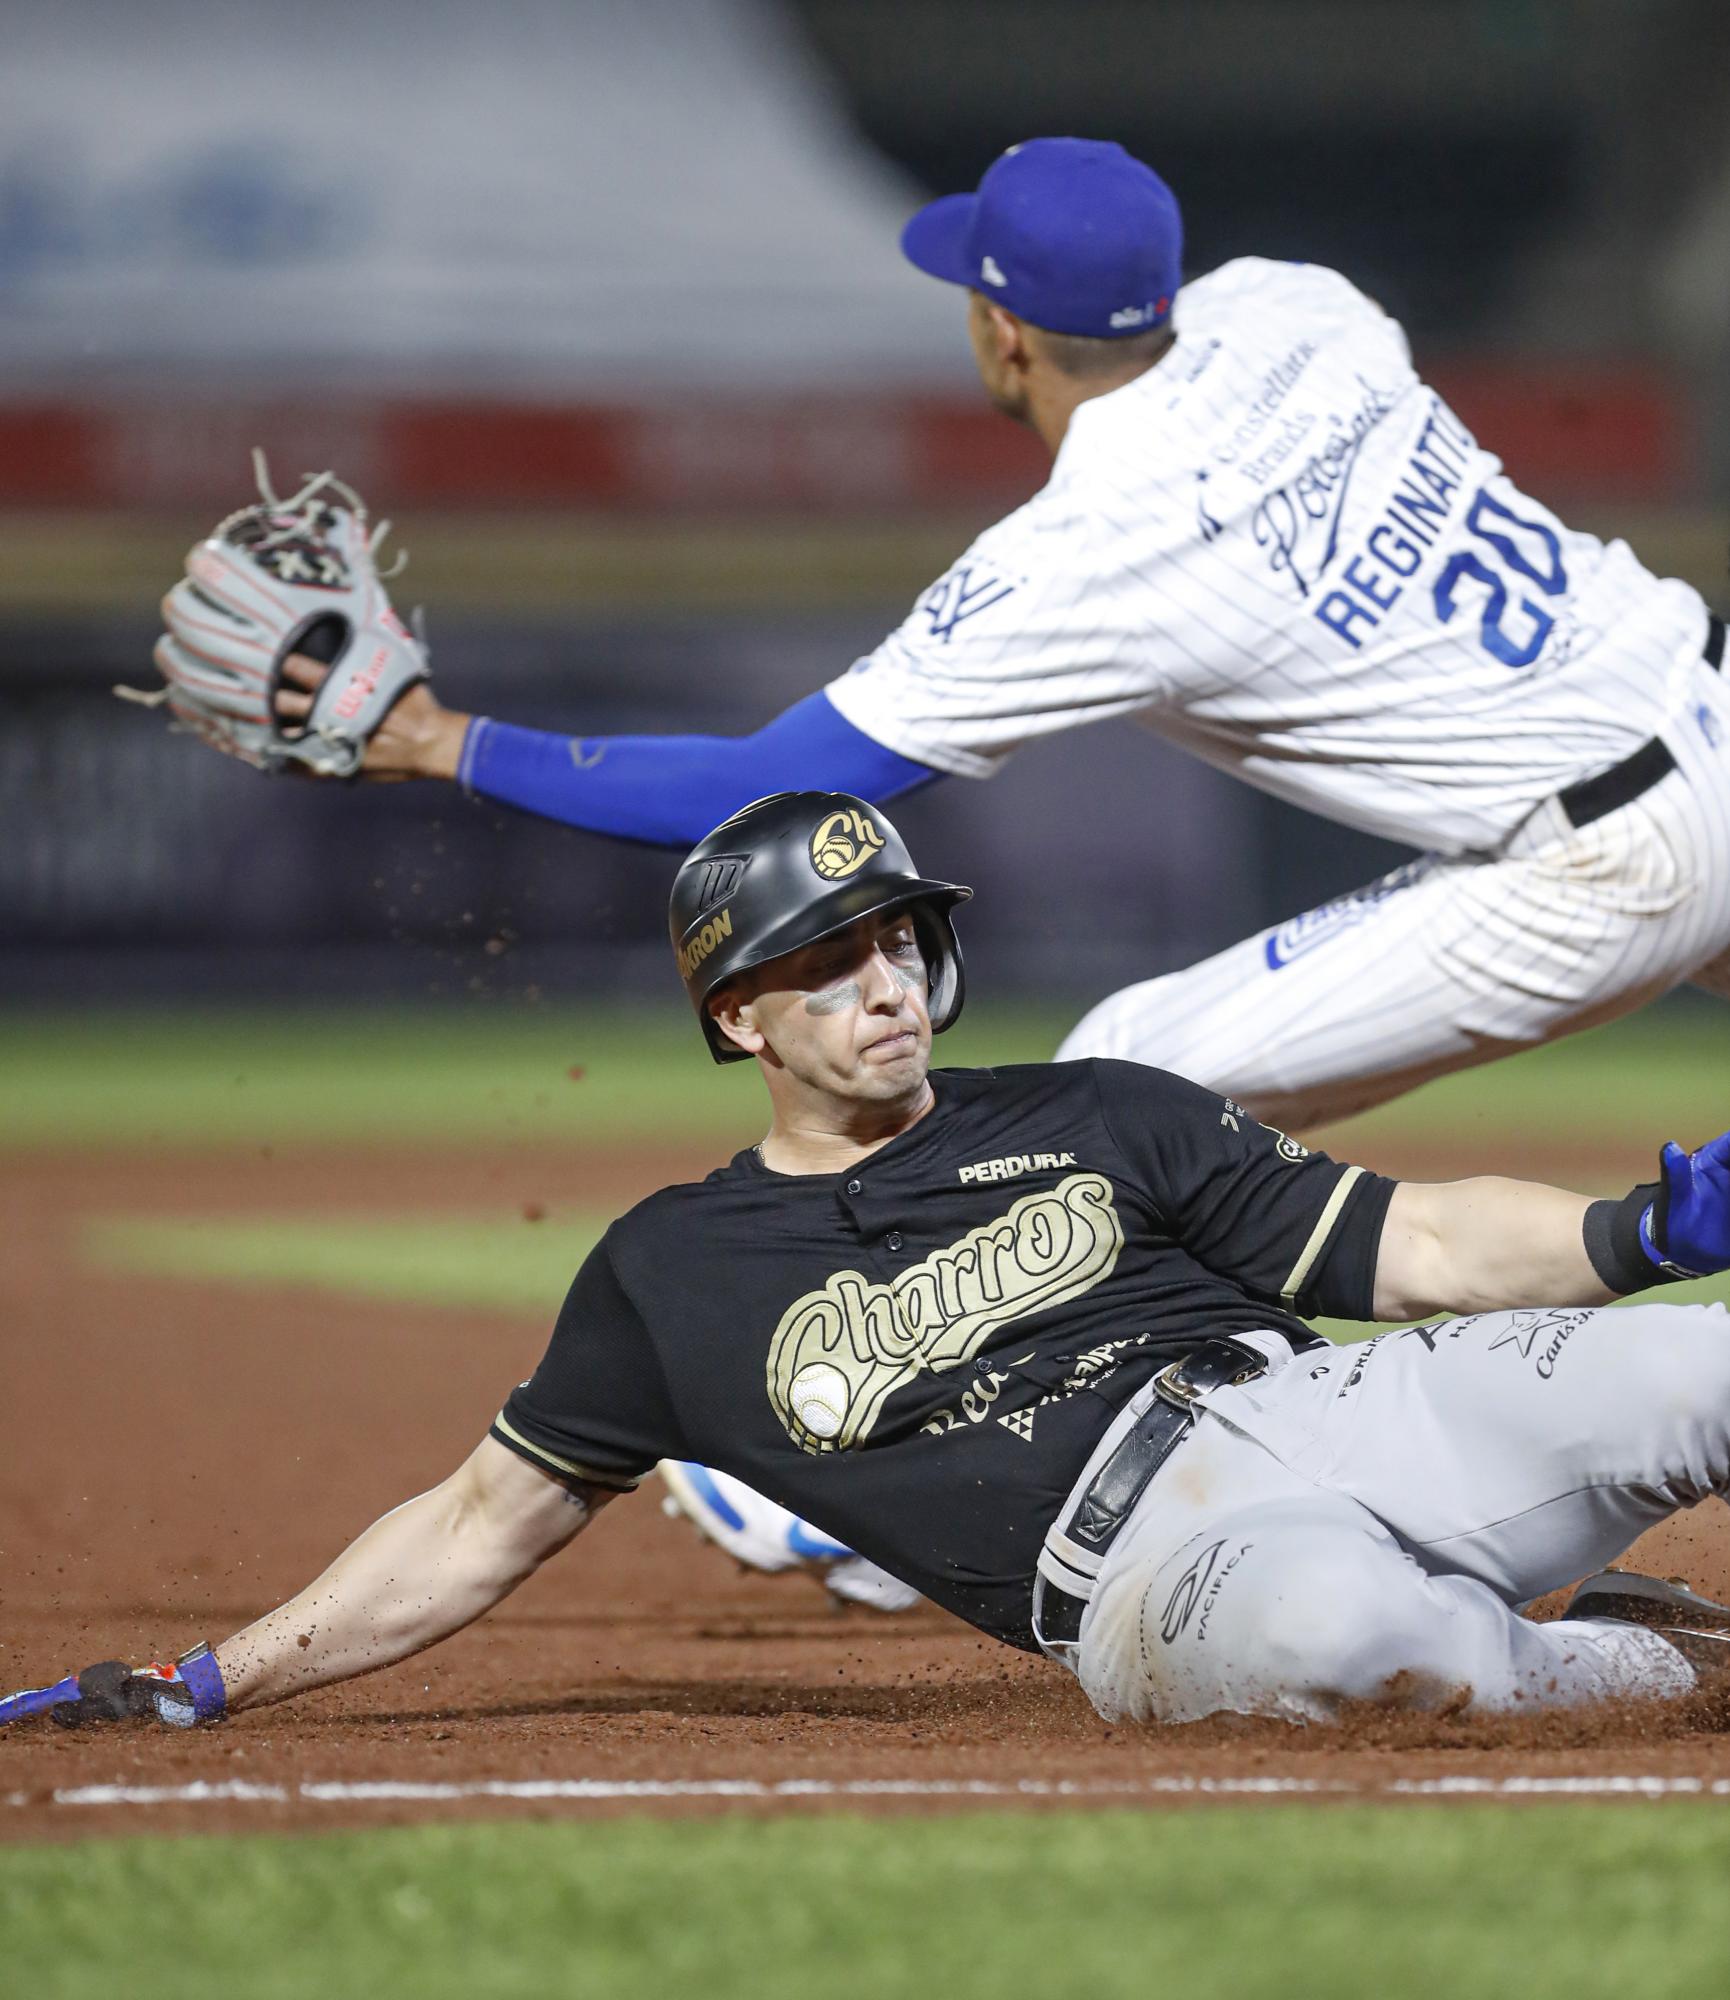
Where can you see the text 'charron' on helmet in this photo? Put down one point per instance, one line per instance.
(790, 869)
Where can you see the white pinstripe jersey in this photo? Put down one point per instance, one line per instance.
(1283, 551)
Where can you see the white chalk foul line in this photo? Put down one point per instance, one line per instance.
(1592, 1787)
(368, 1792)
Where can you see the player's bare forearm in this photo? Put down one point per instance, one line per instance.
(1480, 1245)
(422, 1572)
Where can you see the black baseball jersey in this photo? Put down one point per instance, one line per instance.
(919, 1354)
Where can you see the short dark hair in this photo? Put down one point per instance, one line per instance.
(1083, 356)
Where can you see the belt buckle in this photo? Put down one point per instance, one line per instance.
(1171, 1388)
(1218, 1363)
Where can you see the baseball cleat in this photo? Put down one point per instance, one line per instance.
(857, 1581)
(762, 1535)
(1698, 1627)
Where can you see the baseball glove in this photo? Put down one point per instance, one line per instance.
(285, 576)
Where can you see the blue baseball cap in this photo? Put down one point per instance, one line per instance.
(1072, 234)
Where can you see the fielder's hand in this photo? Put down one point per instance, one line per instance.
(417, 738)
(1685, 1230)
(184, 1695)
(296, 576)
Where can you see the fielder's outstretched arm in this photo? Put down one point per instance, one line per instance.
(665, 790)
(422, 1572)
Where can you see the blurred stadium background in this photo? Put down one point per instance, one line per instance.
(603, 305)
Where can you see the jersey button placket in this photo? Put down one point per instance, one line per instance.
(893, 1240)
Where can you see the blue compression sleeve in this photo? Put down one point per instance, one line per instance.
(671, 790)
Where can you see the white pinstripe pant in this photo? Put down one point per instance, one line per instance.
(1454, 961)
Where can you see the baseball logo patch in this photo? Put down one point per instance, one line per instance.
(843, 843)
(840, 1352)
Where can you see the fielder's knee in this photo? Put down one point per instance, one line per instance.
(1097, 1033)
(1173, 1023)
(1146, 1024)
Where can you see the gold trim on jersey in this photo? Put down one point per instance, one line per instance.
(573, 1467)
(1318, 1236)
(840, 1352)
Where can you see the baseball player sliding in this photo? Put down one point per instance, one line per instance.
(1032, 1340)
(1264, 537)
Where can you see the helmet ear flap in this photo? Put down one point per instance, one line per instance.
(946, 977)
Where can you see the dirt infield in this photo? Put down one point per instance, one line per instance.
(178, 1456)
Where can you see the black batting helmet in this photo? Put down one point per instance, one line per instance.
(793, 868)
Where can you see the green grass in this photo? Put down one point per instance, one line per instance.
(379, 1076)
(358, 1077)
(1218, 1904)
(486, 1263)
(1665, 1072)
(369, 1076)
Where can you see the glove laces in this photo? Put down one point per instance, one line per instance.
(297, 516)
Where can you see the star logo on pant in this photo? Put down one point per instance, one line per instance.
(1521, 1331)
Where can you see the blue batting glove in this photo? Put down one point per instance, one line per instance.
(1686, 1230)
(38, 1701)
(183, 1695)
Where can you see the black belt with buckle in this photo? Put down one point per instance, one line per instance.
(1638, 772)
(1091, 1527)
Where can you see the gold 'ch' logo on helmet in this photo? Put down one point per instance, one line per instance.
(843, 843)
